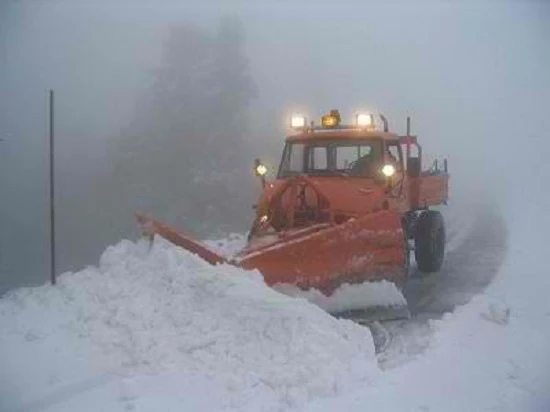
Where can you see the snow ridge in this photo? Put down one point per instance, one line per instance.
(165, 311)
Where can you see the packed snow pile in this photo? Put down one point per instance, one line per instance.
(351, 297)
(164, 311)
(228, 246)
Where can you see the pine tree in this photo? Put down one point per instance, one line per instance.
(184, 158)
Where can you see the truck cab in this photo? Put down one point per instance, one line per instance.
(349, 154)
(357, 168)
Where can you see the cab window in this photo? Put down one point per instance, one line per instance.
(340, 157)
(318, 158)
(293, 158)
(347, 156)
(395, 154)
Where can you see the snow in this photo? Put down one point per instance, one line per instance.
(229, 246)
(350, 297)
(490, 354)
(347, 297)
(458, 223)
(159, 329)
(163, 324)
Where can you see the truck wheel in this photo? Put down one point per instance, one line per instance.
(429, 241)
(407, 252)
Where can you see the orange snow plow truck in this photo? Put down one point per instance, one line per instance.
(348, 205)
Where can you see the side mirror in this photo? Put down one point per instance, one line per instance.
(413, 166)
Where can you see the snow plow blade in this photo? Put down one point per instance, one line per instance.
(325, 256)
(321, 257)
(152, 227)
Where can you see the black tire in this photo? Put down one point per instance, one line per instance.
(407, 252)
(429, 241)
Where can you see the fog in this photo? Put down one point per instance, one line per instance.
(472, 75)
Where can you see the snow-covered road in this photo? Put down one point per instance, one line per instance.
(476, 248)
(475, 253)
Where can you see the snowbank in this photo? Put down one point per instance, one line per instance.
(214, 336)
(228, 246)
(159, 329)
(490, 354)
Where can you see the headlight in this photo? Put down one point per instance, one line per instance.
(388, 170)
(297, 121)
(364, 120)
(261, 170)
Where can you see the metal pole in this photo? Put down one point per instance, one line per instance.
(52, 192)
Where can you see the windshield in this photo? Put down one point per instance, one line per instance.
(331, 158)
